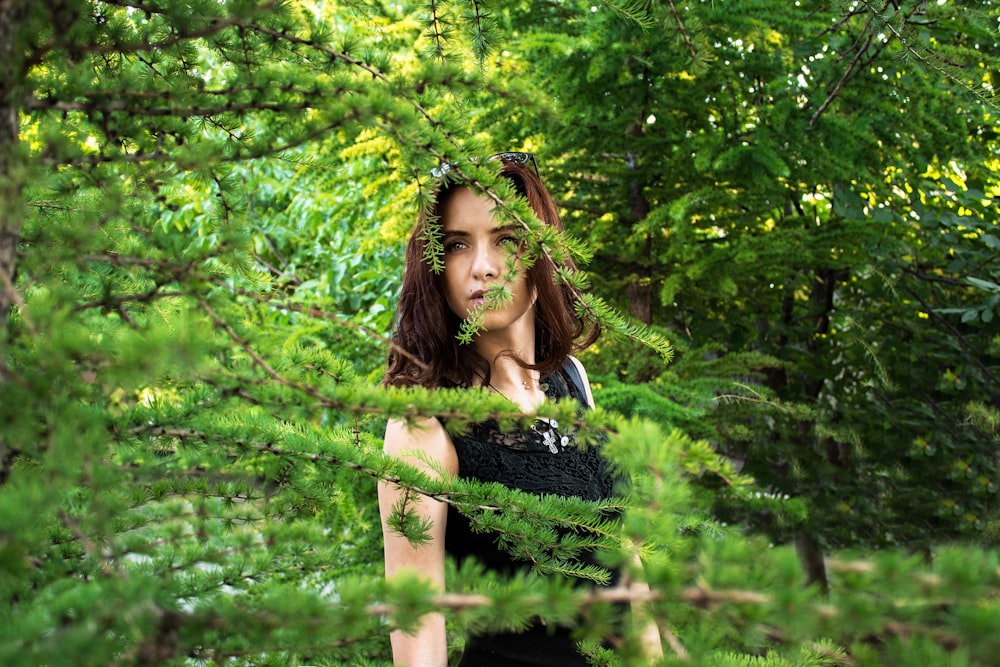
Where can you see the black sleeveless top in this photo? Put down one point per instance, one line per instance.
(544, 459)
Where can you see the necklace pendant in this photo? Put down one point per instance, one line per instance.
(550, 441)
(550, 436)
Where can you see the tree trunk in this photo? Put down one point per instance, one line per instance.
(11, 181)
(640, 297)
(11, 163)
(813, 562)
(11, 206)
(640, 287)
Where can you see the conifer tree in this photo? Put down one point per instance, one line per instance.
(197, 201)
(800, 194)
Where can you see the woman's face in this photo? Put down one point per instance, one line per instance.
(475, 254)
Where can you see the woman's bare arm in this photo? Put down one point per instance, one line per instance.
(652, 645)
(426, 446)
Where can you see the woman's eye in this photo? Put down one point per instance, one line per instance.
(454, 246)
(508, 239)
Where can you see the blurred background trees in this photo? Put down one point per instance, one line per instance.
(806, 191)
(202, 209)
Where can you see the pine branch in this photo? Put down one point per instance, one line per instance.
(688, 42)
(472, 600)
(483, 31)
(438, 30)
(215, 25)
(851, 69)
(697, 596)
(240, 154)
(117, 303)
(218, 24)
(357, 402)
(927, 56)
(171, 110)
(511, 513)
(600, 311)
(636, 11)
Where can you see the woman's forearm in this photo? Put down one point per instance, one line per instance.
(427, 647)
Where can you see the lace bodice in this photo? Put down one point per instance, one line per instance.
(543, 459)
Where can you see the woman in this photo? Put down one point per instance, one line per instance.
(523, 353)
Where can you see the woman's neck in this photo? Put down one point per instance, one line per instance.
(516, 383)
(508, 376)
(498, 346)
(507, 373)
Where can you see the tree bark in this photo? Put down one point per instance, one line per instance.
(11, 207)
(11, 163)
(811, 556)
(640, 288)
(12, 174)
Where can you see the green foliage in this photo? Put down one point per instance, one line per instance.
(202, 205)
(597, 309)
(813, 206)
(822, 654)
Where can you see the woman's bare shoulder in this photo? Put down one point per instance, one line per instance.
(423, 443)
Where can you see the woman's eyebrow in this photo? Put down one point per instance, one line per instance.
(496, 230)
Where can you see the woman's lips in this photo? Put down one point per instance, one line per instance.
(478, 297)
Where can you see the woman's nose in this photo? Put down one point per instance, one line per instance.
(486, 263)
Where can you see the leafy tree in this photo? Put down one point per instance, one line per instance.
(803, 190)
(159, 448)
(198, 202)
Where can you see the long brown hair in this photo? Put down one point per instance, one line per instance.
(425, 349)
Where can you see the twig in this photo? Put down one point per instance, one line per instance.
(14, 297)
(447, 497)
(840, 84)
(86, 542)
(683, 31)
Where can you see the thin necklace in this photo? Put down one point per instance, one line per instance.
(524, 383)
(553, 440)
